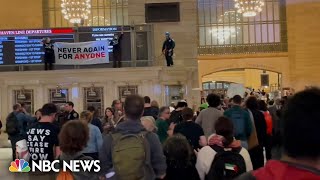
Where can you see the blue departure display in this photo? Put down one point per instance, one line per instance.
(25, 47)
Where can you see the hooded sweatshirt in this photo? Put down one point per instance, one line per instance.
(158, 161)
(206, 155)
(277, 170)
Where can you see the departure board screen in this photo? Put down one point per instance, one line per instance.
(107, 33)
(25, 47)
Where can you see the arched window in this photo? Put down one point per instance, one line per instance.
(103, 13)
(224, 31)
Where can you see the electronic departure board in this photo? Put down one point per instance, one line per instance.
(107, 33)
(24, 46)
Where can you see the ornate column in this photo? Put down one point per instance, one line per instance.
(109, 92)
(76, 97)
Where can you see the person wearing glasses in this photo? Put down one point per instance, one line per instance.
(163, 123)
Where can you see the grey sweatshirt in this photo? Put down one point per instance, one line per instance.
(207, 118)
(158, 161)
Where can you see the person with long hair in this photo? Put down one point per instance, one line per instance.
(118, 110)
(108, 120)
(224, 138)
(95, 137)
(73, 139)
(178, 154)
(95, 118)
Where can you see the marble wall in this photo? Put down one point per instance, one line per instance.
(150, 82)
(304, 42)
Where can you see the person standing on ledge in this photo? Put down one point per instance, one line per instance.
(49, 58)
(167, 49)
(116, 43)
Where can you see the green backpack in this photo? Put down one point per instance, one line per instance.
(130, 155)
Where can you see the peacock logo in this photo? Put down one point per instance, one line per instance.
(19, 166)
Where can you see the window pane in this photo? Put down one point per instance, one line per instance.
(264, 33)
(245, 34)
(271, 33)
(220, 26)
(208, 36)
(264, 13)
(270, 11)
(207, 14)
(258, 33)
(100, 13)
(276, 11)
(277, 32)
(202, 36)
(252, 35)
(240, 35)
(201, 13)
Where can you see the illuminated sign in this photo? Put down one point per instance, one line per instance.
(104, 29)
(36, 31)
(25, 47)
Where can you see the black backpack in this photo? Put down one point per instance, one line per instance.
(12, 125)
(227, 164)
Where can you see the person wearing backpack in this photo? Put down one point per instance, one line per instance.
(223, 158)
(23, 119)
(16, 125)
(241, 121)
(132, 153)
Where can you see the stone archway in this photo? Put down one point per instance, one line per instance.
(277, 63)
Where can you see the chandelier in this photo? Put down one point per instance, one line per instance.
(75, 11)
(249, 8)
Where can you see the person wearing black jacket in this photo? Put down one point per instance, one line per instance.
(256, 153)
(95, 119)
(116, 43)
(167, 49)
(49, 58)
(176, 115)
(148, 109)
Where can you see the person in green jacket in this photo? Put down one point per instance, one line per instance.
(163, 124)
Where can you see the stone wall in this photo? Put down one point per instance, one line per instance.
(184, 32)
(303, 19)
(21, 14)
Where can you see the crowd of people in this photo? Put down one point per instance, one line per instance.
(137, 139)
